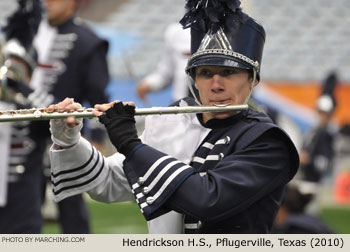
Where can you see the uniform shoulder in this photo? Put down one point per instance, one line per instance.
(259, 116)
(84, 29)
(86, 37)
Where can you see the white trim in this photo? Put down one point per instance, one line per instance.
(143, 205)
(166, 183)
(198, 160)
(161, 173)
(209, 157)
(151, 169)
(169, 180)
(213, 157)
(221, 141)
(208, 145)
(191, 225)
(139, 195)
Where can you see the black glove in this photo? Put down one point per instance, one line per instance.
(120, 124)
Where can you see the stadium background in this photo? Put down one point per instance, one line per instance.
(305, 40)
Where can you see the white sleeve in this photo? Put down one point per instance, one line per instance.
(82, 168)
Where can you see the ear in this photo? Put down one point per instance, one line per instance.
(256, 83)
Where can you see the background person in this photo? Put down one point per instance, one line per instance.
(317, 152)
(170, 69)
(316, 156)
(292, 217)
(72, 62)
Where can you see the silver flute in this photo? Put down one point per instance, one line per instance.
(42, 113)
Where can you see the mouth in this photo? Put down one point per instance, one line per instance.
(221, 102)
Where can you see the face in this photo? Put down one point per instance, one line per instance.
(222, 85)
(59, 10)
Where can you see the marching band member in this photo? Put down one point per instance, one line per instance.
(207, 173)
(72, 62)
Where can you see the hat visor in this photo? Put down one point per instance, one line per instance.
(218, 60)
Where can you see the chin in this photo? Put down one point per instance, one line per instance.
(222, 115)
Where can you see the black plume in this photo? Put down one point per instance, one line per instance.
(330, 83)
(24, 22)
(213, 14)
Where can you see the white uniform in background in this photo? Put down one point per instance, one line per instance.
(171, 68)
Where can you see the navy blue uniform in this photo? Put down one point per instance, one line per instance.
(234, 183)
(84, 73)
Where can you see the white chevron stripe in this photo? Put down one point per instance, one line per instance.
(198, 160)
(209, 157)
(168, 181)
(208, 145)
(161, 173)
(139, 195)
(191, 226)
(151, 169)
(143, 205)
(221, 141)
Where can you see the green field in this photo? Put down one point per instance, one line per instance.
(116, 218)
(126, 218)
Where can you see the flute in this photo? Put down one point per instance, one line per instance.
(41, 113)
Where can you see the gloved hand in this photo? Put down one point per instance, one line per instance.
(65, 132)
(63, 135)
(120, 124)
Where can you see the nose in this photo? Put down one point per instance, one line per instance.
(217, 85)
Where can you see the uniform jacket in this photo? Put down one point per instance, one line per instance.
(72, 63)
(226, 176)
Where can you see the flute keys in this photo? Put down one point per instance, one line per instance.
(37, 113)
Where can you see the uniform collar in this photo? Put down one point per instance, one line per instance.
(68, 22)
(222, 123)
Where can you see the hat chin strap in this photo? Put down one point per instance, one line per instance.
(190, 86)
(251, 88)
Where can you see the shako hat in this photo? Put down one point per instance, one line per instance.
(327, 102)
(223, 35)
